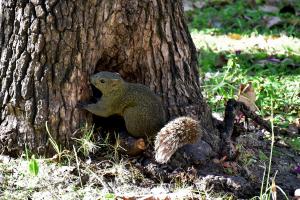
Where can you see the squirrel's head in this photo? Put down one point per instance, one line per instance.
(107, 82)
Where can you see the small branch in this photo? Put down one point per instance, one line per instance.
(231, 110)
(230, 113)
(228, 149)
(259, 120)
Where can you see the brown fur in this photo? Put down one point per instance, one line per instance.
(143, 114)
(175, 134)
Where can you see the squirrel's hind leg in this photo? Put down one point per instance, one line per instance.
(139, 124)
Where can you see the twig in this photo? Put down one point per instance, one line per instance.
(259, 120)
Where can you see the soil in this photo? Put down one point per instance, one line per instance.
(107, 175)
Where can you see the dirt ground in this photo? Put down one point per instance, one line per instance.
(108, 175)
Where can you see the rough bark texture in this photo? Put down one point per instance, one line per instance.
(50, 48)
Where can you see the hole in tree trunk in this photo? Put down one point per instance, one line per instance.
(107, 63)
(114, 123)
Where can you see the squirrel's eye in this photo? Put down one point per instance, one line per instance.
(102, 81)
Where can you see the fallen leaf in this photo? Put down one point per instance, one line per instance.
(219, 161)
(187, 6)
(223, 159)
(297, 122)
(272, 2)
(247, 96)
(199, 4)
(271, 21)
(235, 36)
(269, 9)
(287, 62)
(266, 61)
(216, 161)
(297, 169)
(140, 144)
(231, 165)
(274, 60)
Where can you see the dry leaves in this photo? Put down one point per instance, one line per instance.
(232, 165)
(271, 21)
(247, 96)
(269, 9)
(235, 36)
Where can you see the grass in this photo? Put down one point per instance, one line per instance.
(86, 142)
(269, 79)
(270, 189)
(54, 178)
(294, 143)
(235, 48)
(243, 17)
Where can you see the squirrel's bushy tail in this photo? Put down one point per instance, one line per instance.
(175, 134)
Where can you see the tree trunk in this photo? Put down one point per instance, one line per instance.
(50, 48)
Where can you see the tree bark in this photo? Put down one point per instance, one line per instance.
(50, 48)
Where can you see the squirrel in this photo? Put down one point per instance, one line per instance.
(143, 114)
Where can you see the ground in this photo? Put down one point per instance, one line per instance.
(241, 44)
(108, 175)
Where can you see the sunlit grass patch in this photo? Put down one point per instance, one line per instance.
(246, 17)
(253, 43)
(249, 41)
(271, 64)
